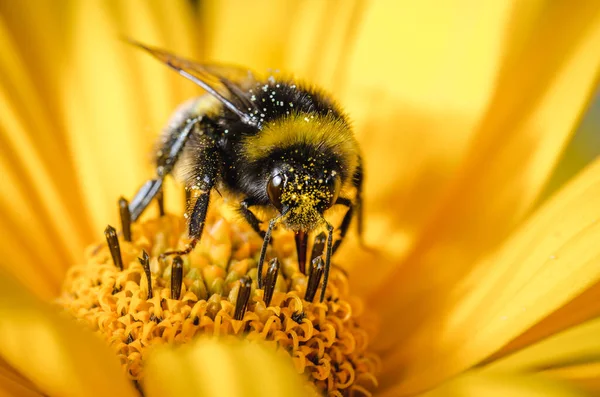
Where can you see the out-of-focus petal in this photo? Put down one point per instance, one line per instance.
(570, 351)
(417, 81)
(486, 201)
(539, 94)
(117, 98)
(57, 355)
(501, 385)
(547, 263)
(221, 367)
(572, 355)
(584, 376)
(580, 309)
(311, 39)
(38, 204)
(14, 384)
(249, 34)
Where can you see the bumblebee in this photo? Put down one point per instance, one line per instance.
(273, 144)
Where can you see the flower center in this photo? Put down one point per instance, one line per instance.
(136, 300)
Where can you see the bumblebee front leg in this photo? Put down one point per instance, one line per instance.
(166, 159)
(250, 217)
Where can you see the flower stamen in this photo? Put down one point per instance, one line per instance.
(113, 245)
(160, 200)
(314, 278)
(243, 297)
(176, 277)
(270, 280)
(125, 218)
(145, 262)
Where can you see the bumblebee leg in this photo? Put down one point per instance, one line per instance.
(168, 155)
(188, 198)
(345, 225)
(250, 217)
(143, 197)
(196, 225)
(203, 181)
(318, 247)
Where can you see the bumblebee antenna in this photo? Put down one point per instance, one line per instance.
(183, 67)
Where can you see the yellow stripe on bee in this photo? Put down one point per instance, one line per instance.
(322, 132)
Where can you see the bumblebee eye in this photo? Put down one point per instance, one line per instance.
(275, 190)
(333, 185)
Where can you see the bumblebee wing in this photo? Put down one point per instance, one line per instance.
(225, 83)
(235, 79)
(242, 77)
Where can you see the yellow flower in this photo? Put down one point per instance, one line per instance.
(461, 108)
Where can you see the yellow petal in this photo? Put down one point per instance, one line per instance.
(572, 355)
(502, 385)
(250, 34)
(548, 262)
(418, 78)
(14, 384)
(311, 39)
(496, 181)
(38, 202)
(59, 357)
(577, 345)
(578, 310)
(494, 188)
(584, 376)
(221, 367)
(539, 93)
(117, 98)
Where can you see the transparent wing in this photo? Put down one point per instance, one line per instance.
(229, 84)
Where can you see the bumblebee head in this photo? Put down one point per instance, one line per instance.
(301, 194)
